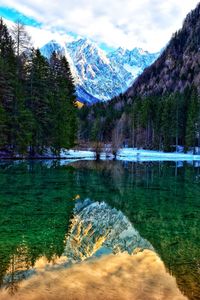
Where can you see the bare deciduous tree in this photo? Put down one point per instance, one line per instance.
(118, 135)
(22, 40)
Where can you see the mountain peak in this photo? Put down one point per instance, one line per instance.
(82, 42)
(52, 46)
(99, 76)
(121, 50)
(53, 42)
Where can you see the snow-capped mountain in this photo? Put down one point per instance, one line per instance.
(51, 47)
(97, 74)
(100, 76)
(134, 61)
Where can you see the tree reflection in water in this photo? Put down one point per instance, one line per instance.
(40, 219)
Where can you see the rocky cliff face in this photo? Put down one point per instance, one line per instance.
(95, 72)
(133, 61)
(100, 76)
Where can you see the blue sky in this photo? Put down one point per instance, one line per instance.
(13, 14)
(148, 24)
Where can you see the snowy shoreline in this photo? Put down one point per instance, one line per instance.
(125, 154)
(130, 154)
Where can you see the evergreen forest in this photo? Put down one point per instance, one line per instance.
(37, 97)
(154, 122)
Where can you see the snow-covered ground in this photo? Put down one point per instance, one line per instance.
(77, 154)
(125, 154)
(130, 154)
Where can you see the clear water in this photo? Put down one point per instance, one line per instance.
(38, 201)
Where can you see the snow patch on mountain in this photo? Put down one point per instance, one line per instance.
(135, 71)
(100, 76)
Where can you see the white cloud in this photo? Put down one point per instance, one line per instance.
(40, 37)
(128, 23)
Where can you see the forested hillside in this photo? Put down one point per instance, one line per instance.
(37, 98)
(162, 108)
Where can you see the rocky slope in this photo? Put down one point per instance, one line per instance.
(133, 61)
(178, 66)
(100, 76)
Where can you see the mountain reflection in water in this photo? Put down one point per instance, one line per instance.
(48, 223)
(129, 270)
(96, 229)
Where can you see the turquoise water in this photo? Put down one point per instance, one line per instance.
(39, 199)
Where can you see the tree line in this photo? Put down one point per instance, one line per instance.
(161, 110)
(38, 110)
(37, 97)
(153, 122)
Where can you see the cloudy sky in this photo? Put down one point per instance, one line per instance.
(111, 23)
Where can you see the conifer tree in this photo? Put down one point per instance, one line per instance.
(37, 98)
(7, 83)
(193, 120)
(38, 102)
(3, 136)
(63, 104)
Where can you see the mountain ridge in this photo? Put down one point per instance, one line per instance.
(161, 110)
(177, 67)
(100, 76)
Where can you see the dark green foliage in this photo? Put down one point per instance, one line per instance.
(38, 103)
(162, 107)
(63, 112)
(161, 200)
(153, 122)
(193, 120)
(37, 100)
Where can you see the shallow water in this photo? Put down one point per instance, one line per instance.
(55, 214)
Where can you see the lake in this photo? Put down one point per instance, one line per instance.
(66, 218)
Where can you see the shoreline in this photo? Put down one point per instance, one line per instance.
(125, 154)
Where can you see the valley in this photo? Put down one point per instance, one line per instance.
(99, 150)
